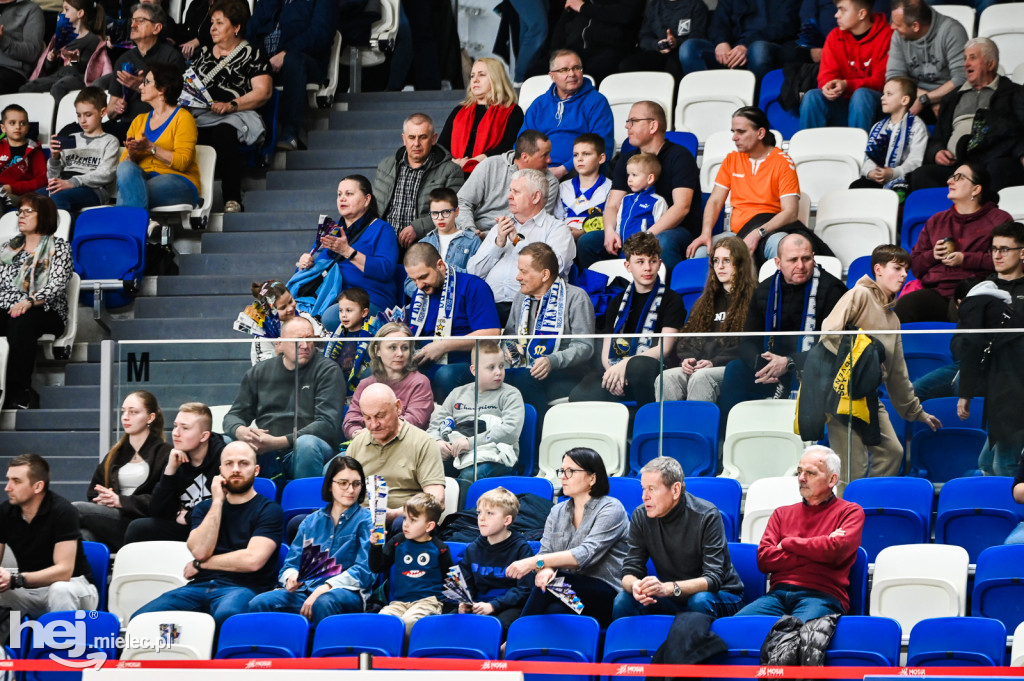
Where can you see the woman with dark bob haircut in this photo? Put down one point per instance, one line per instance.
(342, 529)
(584, 541)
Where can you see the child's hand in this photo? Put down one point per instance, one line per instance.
(466, 608)
(57, 185)
(483, 609)
(54, 146)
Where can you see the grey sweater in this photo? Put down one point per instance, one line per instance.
(503, 411)
(934, 58)
(579, 319)
(267, 396)
(22, 41)
(92, 163)
(598, 544)
(485, 195)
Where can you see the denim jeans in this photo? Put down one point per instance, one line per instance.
(590, 248)
(445, 378)
(1016, 536)
(941, 382)
(298, 69)
(334, 602)
(805, 604)
(220, 598)
(533, 31)
(149, 190)
(861, 110)
(720, 604)
(698, 54)
(74, 199)
(1006, 454)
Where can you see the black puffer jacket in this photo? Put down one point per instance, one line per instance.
(792, 641)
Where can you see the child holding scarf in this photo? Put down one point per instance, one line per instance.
(895, 144)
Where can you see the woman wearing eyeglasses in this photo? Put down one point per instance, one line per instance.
(584, 542)
(953, 246)
(35, 267)
(341, 529)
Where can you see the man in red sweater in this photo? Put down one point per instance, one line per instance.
(852, 71)
(808, 548)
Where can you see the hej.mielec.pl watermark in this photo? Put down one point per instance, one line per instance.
(71, 638)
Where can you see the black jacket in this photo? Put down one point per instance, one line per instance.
(733, 22)
(169, 495)
(684, 18)
(1002, 134)
(600, 24)
(154, 451)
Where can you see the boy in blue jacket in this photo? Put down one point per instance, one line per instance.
(641, 209)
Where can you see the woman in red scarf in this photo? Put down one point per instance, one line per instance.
(488, 119)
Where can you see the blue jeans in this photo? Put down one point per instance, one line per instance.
(861, 110)
(74, 199)
(1016, 536)
(805, 604)
(942, 382)
(307, 459)
(1005, 454)
(334, 602)
(220, 598)
(738, 386)
(298, 69)
(149, 190)
(533, 31)
(698, 54)
(445, 378)
(590, 248)
(720, 604)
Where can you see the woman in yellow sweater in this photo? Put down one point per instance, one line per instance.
(158, 167)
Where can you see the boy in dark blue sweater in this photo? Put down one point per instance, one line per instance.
(484, 562)
(422, 562)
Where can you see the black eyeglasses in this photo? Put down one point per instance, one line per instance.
(960, 176)
(25, 211)
(442, 214)
(565, 70)
(630, 122)
(142, 20)
(568, 472)
(1003, 250)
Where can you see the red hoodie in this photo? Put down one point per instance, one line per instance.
(861, 63)
(28, 174)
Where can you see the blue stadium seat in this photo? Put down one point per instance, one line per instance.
(542, 487)
(457, 549)
(301, 496)
(98, 556)
(689, 435)
(349, 635)
(110, 243)
(265, 486)
(463, 637)
(857, 269)
(785, 121)
(976, 513)
(945, 409)
(918, 207)
(859, 584)
(744, 559)
(688, 279)
(527, 463)
(743, 636)
(554, 638)
(726, 494)
(864, 642)
(998, 585)
(627, 490)
(926, 352)
(100, 637)
(901, 427)
(947, 453)
(257, 635)
(897, 510)
(633, 640)
(957, 642)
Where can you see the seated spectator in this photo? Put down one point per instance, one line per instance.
(392, 447)
(391, 364)
(570, 107)
(486, 122)
(123, 483)
(808, 548)
(342, 529)
(237, 78)
(24, 33)
(484, 197)
(743, 34)
(351, 355)
(817, 19)
(643, 207)
(296, 37)
(273, 295)
(953, 246)
(498, 257)
(124, 84)
(294, 436)
(628, 368)
(194, 29)
(581, 199)
(981, 121)
(601, 31)
(449, 307)
(405, 179)
(852, 70)
(721, 309)
(84, 175)
(456, 245)
(896, 143)
(586, 535)
(548, 366)
(360, 251)
(185, 480)
(35, 267)
(666, 25)
(76, 56)
(927, 46)
(41, 529)
(23, 162)
(684, 539)
(469, 451)
(234, 541)
(158, 166)
(678, 184)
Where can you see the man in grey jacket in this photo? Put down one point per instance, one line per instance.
(297, 417)
(405, 179)
(21, 42)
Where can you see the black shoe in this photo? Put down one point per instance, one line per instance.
(26, 399)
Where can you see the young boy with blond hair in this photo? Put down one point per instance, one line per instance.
(896, 144)
(643, 207)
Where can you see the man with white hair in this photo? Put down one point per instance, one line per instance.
(498, 257)
(808, 548)
(981, 121)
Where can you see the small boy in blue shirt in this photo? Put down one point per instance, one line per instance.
(581, 200)
(422, 562)
(455, 245)
(644, 206)
(351, 356)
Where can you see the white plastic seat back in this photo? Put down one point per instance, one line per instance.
(40, 108)
(760, 442)
(382, 34)
(326, 90)
(763, 497)
(1011, 199)
(827, 159)
(962, 13)
(828, 263)
(623, 90)
(67, 339)
(716, 148)
(194, 636)
(913, 582)
(4, 351)
(143, 571)
(219, 411)
(1018, 74)
(532, 88)
(451, 498)
(853, 221)
(206, 159)
(1004, 24)
(707, 100)
(615, 268)
(599, 425)
(9, 226)
(1017, 650)
(66, 112)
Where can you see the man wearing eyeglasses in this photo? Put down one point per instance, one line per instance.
(570, 107)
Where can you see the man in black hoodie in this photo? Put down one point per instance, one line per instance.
(185, 482)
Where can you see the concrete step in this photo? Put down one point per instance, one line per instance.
(353, 157)
(72, 490)
(185, 307)
(386, 118)
(260, 242)
(341, 140)
(204, 285)
(260, 265)
(73, 397)
(170, 372)
(279, 222)
(285, 201)
(72, 454)
(57, 420)
(407, 100)
(324, 179)
(155, 330)
(180, 352)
